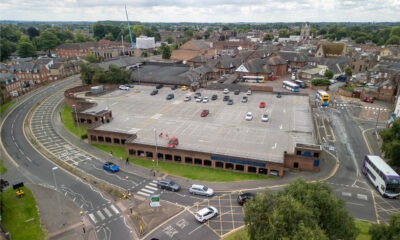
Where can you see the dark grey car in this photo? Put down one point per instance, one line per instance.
(168, 185)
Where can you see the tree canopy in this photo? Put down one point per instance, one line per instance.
(302, 211)
(48, 41)
(385, 231)
(25, 48)
(391, 143)
(93, 75)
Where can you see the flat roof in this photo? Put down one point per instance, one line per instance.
(224, 131)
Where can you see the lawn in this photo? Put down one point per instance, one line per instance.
(362, 226)
(186, 171)
(20, 215)
(3, 107)
(66, 116)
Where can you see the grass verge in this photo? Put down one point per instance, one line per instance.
(3, 169)
(186, 171)
(20, 215)
(66, 117)
(3, 107)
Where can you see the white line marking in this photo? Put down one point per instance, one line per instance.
(144, 194)
(152, 188)
(114, 209)
(101, 215)
(109, 214)
(358, 204)
(362, 197)
(146, 190)
(93, 218)
(153, 184)
(347, 194)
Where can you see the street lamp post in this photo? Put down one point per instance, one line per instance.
(77, 121)
(155, 138)
(58, 195)
(377, 119)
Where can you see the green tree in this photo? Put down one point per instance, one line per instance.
(395, 31)
(48, 41)
(283, 33)
(144, 54)
(5, 49)
(166, 51)
(32, 32)
(385, 231)
(391, 143)
(116, 75)
(109, 36)
(79, 37)
(302, 211)
(92, 58)
(395, 40)
(9, 32)
(328, 74)
(99, 31)
(348, 73)
(268, 37)
(25, 48)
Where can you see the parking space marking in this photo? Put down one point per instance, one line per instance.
(100, 214)
(362, 197)
(93, 218)
(114, 209)
(109, 214)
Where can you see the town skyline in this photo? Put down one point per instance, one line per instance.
(226, 11)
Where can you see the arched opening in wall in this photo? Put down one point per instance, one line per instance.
(93, 138)
(108, 140)
(140, 153)
(239, 167)
(168, 157)
(188, 160)
(132, 152)
(160, 156)
(274, 172)
(100, 139)
(149, 154)
(219, 164)
(262, 171)
(123, 141)
(198, 161)
(116, 140)
(296, 165)
(177, 158)
(207, 163)
(229, 166)
(89, 121)
(251, 169)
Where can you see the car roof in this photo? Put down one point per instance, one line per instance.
(197, 186)
(204, 210)
(247, 194)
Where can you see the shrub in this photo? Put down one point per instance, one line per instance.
(320, 82)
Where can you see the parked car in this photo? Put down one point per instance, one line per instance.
(264, 117)
(242, 198)
(230, 102)
(249, 92)
(199, 99)
(174, 87)
(244, 99)
(368, 99)
(154, 92)
(201, 190)
(226, 91)
(214, 97)
(236, 92)
(262, 105)
(205, 99)
(187, 98)
(249, 116)
(129, 85)
(278, 95)
(170, 96)
(226, 98)
(206, 213)
(168, 185)
(159, 86)
(173, 142)
(123, 87)
(110, 167)
(197, 94)
(204, 113)
(184, 88)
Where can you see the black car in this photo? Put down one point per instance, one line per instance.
(154, 92)
(214, 97)
(174, 87)
(230, 102)
(278, 95)
(159, 86)
(168, 185)
(236, 92)
(242, 198)
(226, 98)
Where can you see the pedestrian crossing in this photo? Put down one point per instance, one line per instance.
(148, 189)
(103, 214)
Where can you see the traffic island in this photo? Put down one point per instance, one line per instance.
(146, 218)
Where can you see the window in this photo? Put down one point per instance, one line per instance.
(132, 151)
(149, 154)
(198, 161)
(177, 158)
(140, 153)
(229, 166)
(239, 167)
(316, 154)
(207, 163)
(160, 156)
(219, 164)
(298, 153)
(108, 139)
(251, 169)
(168, 157)
(116, 140)
(189, 160)
(93, 138)
(101, 139)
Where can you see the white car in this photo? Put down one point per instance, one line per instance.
(205, 99)
(226, 91)
(249, 116)
(187, 98)
(199, 99)
(249, 92)
(123, 87)
(201, 190)
(206, 213)
(264, 117)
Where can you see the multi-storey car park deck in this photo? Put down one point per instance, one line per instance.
(223, 139)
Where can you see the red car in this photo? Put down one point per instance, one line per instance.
(262, 105)
(173, 142)
(369, 99)
(204, 113)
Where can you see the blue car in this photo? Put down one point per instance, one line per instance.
(110, 167)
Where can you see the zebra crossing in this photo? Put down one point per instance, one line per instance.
(148, 189)
(103, 214)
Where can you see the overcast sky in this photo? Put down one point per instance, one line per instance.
(203, 10)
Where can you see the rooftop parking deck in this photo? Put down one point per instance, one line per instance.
(224, 131)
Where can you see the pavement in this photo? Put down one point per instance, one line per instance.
(71, 225)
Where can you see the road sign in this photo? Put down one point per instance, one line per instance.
(154, 200)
